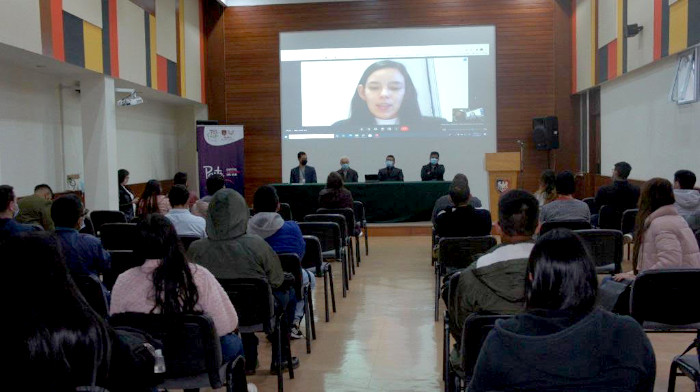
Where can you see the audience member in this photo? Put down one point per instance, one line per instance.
(621, 195)
(687, 198)
(213, 184)
(152, 201)
(230, 253)
(547, 191)
(390, 172)
(167, 283)
(283, 237)
(462, 220)
(348, 174)
(126, 198)
(433, 171)
(335, 195)
(563, 341)
(84, 254)
(496, 281)
(444, 201)
(180, 178)
(184, 222)
(662, 239)
(565, 207)
(36, 209)
(302, 174)
(8, 209)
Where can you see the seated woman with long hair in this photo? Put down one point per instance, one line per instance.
(547, 191)
(152, 200)
(335, 195)
(55, 341)
(662, 238)
(563, 342)
(167, 283)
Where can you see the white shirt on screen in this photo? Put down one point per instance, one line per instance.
(187, 224)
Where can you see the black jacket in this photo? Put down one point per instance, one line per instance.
(621, 195)
(126, 203)
(348, 176)
(309, 175)
(432, 172)
(464, 221)
(393, 174)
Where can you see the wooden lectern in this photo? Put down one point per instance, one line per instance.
(503, 168)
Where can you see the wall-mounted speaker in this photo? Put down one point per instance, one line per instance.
(545, 133)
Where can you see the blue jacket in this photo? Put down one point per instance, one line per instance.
(10, 228)
(83, 252)
(283, 237)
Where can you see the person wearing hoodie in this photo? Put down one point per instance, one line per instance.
(562, 341)
(496, 281)
(283, 237)
(687, 198)
(229, 252)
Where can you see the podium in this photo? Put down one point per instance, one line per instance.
(503, 169)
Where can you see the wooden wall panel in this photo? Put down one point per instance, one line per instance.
(529, 38)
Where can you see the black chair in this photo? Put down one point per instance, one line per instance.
(313, 260)
(476, 329)
(91, 288)
(661, 300)
(629, 221)
(453, 282)
(606, 249)
(590, 201)
(251, 212)
(255, 306)
(191, 349)
(285, 211)
(457, 253)
(353, 232)
(88, 229)
(565, 224)
(344, 248)
(119, 236)
(100, 217)
(187, 240)
(697, 236)
(361, 217)
(291, 264)
(688, 365)
(609, 218)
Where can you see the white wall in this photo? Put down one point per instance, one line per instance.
(641, 126)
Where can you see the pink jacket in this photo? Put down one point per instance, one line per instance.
(668, 242)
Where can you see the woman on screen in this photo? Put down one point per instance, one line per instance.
(385, 95)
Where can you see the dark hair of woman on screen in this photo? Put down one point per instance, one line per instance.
(562, 341)
(54, 340)
(386, 95)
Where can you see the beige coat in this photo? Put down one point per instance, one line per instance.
(668, 242)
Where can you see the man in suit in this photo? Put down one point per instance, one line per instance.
(302, 174)
(433, 171)
(390, 172)
(348, 174)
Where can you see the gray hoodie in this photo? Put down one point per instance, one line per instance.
(265, 224)
(230, 253)
(688, 206)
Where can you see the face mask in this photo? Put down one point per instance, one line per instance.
(16, 212)
(433, 161)
(389, 164)
(345, 166)
(304, 162)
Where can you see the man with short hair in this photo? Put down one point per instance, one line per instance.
(433, 171)
(180, 178)
(495, 283)
(36, 209)
(213, 184)
(444, 201)
(621, 195)
(184, 222)
(390, 172)
(687, 197)
(565, 207)
(302, 174)
(8, 209)
(462, 220)
(348, 174)
(83, 252)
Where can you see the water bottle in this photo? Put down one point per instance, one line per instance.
(159, 366)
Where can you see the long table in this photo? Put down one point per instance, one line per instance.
(385, 202)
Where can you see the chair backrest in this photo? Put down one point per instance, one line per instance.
(667, 297)
(251, 212)
(460, 252)
(452, 292)
(191, 344)
(119, 236)
(609, 218)
(348, 213)
(337, 218)
(605, 246)
(590, 201)
(629, 220)
(565, 224)
(291, 264)
(187, 240)
(252, 298)
(100, 217)
(476, 329)
(329, 233)
(359, 208)
(697, 236)
(313, 255)
(91, 288)
(285, 211)
(121, 261)
(88, 229)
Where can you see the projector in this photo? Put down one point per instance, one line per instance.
(130, 100)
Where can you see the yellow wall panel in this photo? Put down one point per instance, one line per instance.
(678, 26)
(181, 47)
(92, 41)
(153, 54)
(620, 36)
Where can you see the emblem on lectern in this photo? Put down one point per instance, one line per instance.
(502, 185)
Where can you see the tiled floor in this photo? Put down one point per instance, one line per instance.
(383, 337)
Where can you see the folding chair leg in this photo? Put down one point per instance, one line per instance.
(352, 257)
(672, 377)
(358, 254)
(437, 293)
(366, 242)
(280, 379)
(288, 349)
(325, 294)
(330, 278)
(343, 277)
(311, 313)
(307, 316)
(446, 349)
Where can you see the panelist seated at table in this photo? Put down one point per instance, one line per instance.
(302, 174)
(433, 171)
(348, 174)
(390, 172)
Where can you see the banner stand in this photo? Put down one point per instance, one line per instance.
(220, 151)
